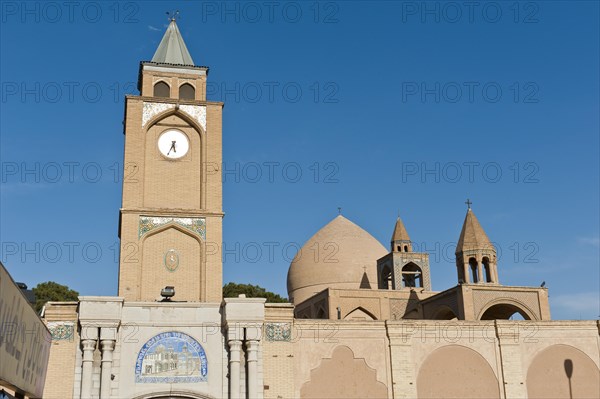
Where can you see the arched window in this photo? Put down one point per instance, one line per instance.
(386, 278)
(161, 89)
(505, 311)
(488, 271)
(473, 269)
(406, 248)
(412, 276)
(444, 313)
(187, 92)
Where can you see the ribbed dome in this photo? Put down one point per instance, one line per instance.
(335, 257)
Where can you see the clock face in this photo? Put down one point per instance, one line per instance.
(173, 144)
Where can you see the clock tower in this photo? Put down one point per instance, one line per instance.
(171, 215)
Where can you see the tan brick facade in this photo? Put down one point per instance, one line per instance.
(63, 352)
(405, 341)
(173, 190)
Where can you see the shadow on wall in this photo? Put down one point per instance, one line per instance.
(563, 372)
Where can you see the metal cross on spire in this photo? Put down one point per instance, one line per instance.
(172, 15)
(468, 202)
(339, 210)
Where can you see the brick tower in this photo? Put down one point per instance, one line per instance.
(171, 215)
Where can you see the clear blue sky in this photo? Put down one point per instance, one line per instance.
(402, 108)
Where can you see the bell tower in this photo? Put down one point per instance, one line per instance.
(403, 269)
(171, 215)
(475, 254)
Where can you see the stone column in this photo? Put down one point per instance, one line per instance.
(466, 267)
(108, 345)
(252, 353)
(88, 344)
(235, 349)
(108, 337)
(495, 268)
(480, 276)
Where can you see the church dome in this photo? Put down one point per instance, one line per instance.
(337, 256)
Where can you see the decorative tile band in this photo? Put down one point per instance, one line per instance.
(61, 331)
(196, 112)
(278, 331)
(195, 225)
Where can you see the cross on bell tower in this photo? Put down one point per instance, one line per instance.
(172, 15)
(475, 254)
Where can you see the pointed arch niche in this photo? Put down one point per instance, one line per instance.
(172, 255)
(173, 183)
(360, 314)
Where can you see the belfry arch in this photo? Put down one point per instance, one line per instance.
(504, 309)
(162, 89)
(412, 276)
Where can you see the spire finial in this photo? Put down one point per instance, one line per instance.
(172, 15)
(468, 202)
(339, 210)
(172, 48)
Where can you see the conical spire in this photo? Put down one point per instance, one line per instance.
(400, 233)
(172, 49)
(472, 236)
(400, 239)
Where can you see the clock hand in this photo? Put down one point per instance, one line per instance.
(172, 147)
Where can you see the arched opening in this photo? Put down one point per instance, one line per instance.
(386, 278)
(473, 270)
(161, 89)
(445, 313)
(187, 92)
(411, 276)
(399, 248)
(488, 271)
(406, 248)
(505, 311)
